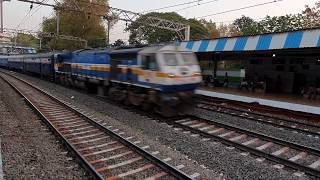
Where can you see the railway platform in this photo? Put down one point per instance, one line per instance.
(283, 101)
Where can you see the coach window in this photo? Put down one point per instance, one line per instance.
(148, 62)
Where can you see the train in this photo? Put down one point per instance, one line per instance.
(162, 78)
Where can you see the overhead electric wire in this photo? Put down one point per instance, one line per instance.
(36, 10)
(195, 5)
(171, 6)
(242, 8)
(28, 16)
(22, 20)
(231, 21)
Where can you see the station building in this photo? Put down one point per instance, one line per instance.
(285, 63)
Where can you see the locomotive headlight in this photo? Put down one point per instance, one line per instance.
(171, 75)
(196, 74)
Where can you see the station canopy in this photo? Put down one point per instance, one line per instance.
(309, 38)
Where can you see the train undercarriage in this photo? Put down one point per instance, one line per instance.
(165, 104)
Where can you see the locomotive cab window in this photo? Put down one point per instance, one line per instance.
(189, 59)
(170, 59)
(148, 62)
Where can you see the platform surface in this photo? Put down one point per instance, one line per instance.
(274, 100)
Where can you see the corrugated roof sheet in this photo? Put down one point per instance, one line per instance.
(287, 40)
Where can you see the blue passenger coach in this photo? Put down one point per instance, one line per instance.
(39, 64)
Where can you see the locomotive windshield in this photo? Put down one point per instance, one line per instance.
(180, 59)
(189, 59)
(170, 59)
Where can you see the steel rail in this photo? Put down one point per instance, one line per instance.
(260, 114)
(308, 126)
(240, 146)
(160, 163)
(69, 146)
(252, 150)
(279, 111)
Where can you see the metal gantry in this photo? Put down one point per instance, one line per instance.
(41, 35)
(64, 37)
(181, 29)
(1, 14)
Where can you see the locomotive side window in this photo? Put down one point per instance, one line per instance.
(144, 62)
(152, 65)
(148, 62)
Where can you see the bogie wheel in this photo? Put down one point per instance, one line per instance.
(146, 106)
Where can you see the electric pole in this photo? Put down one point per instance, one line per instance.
(1, 9)
(109, 28)
(109, 19)
(1, 14)
(58, 22)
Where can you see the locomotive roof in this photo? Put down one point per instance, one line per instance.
(110, 50)
(133, 50)
(127, 51)
(102, 50)
(164, 48)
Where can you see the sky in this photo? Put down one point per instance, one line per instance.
(17, 15)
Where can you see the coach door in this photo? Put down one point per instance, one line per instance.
(115, 70)
(149, 67)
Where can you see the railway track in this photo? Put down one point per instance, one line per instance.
(301, 158)
(306, 128)
(298, 157)
(104, 153)
(263, 109)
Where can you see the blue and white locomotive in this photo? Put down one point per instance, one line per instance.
(160, 77)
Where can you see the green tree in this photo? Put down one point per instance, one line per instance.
(229, 30)
(197, 30)
(234, 31)
(118, 43)
(281, 23)
(86, 25)
(142, 33)
(247, 26)
(311, 16)
(211, 28)
(26, 40)
(223, 30)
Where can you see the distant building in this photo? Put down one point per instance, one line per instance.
(4, 38)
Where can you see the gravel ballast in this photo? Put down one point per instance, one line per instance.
(29, 150)
(223, 161)
(243, 123)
